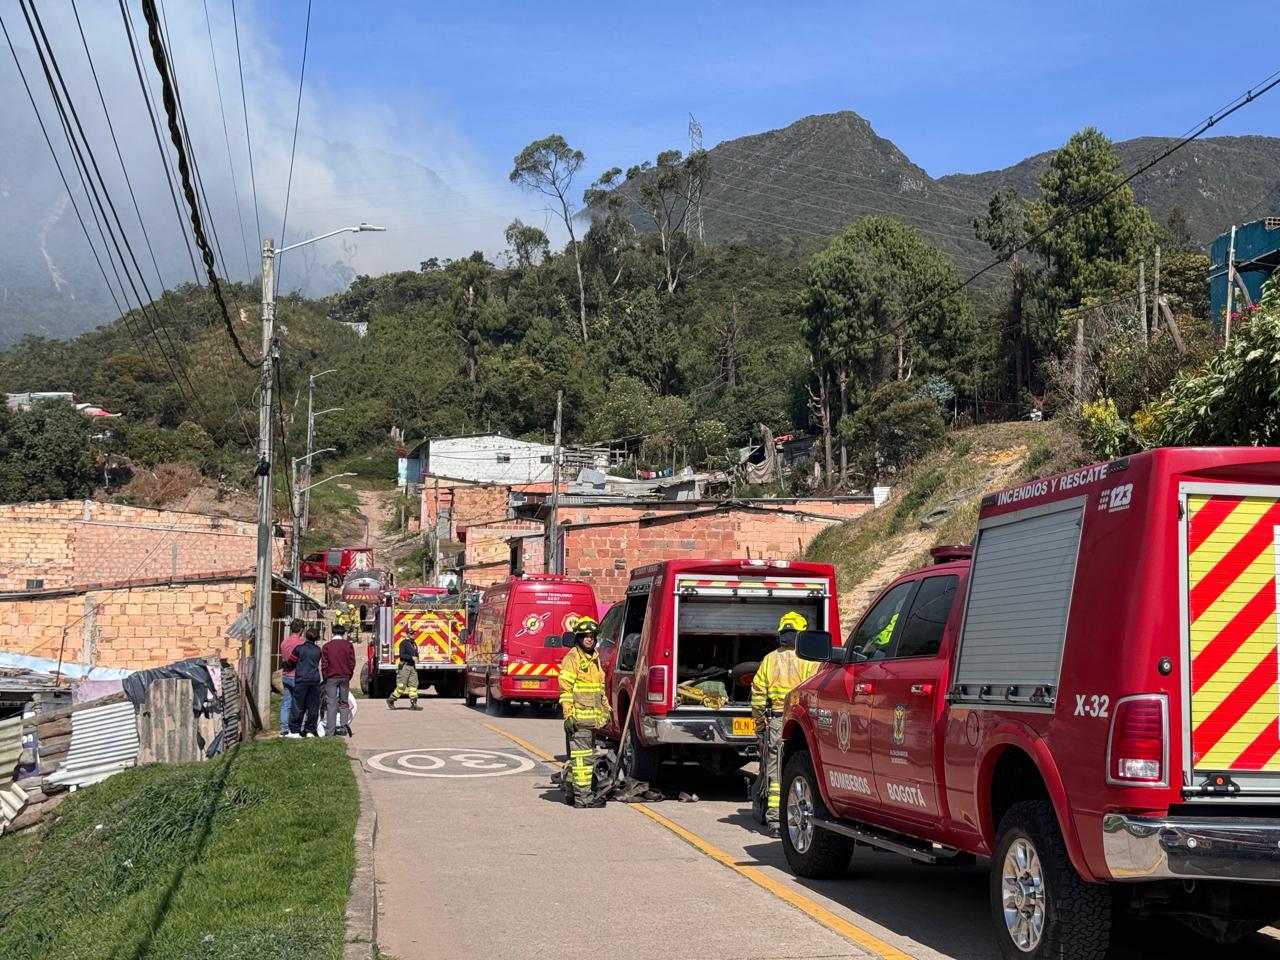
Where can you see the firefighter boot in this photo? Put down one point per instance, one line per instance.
(391, 702)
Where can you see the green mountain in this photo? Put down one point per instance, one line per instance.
(790, 190)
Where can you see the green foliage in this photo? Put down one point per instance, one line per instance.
(926, 486)
(130, 867)
(1235, 398)
(1089, 250)
(1106, 434)
(45, 453)
(891, 430)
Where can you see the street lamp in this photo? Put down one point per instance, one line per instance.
(270, 354)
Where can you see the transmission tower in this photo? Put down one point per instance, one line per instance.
(695, 146)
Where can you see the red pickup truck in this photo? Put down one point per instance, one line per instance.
(1091, 701)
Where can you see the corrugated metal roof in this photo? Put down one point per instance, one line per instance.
(104, 740)
(10, 746)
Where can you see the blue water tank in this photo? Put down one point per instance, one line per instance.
(1257, 254)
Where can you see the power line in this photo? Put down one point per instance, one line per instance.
(248, 144)
(155, 130)
(306, 37)
(63, 109)
(1076, 209)
(226, 136)
(170, 106)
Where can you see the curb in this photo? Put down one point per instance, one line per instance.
(362, 904)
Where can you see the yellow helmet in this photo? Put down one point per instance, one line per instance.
(792, 621)
(586, 626)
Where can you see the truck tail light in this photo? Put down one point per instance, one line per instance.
(504, 663)
(658, 684)
(1139, 745)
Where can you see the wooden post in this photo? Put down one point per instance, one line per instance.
(1231, 288)
(1173, 325)
(1078, 378)
(1142, 294)
(1153, 321)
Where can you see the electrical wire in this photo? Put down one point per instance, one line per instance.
(297, 117)
(65, 104)
(170, 104)
(244, 103)
(226, 136)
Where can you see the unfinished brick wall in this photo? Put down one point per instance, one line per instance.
(128, 627)
(72, 542)
(605, 554)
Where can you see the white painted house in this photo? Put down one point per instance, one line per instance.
(480, 458)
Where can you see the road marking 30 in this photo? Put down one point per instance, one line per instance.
(850, 931)
(446, 761)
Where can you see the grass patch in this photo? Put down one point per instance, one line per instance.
(976, 461)
(248, 855)
(926, 486)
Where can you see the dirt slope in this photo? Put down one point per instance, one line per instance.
(937, 502)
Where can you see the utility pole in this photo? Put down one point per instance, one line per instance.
(1142, 294)
(435, 535)
(553, 564)
(306, 465)
(1155, 297)
(1231, 282)
(1078, 379)
(262, 581)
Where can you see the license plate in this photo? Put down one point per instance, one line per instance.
(530, 684)
(744, 727)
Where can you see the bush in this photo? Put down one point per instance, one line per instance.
(1106, 433)
(893, 429)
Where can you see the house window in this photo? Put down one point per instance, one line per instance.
(504, 458)
(545, 458)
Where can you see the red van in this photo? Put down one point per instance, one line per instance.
(333, 565)
(689, 628)
(516, 645)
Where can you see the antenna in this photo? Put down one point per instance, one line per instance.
(695, 146)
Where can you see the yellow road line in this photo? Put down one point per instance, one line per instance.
(540, 754)
(811, 908)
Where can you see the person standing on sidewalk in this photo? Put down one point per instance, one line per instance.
(306, 687)
(406, 675)
(287, 647)
(337, 663)
(586, 710)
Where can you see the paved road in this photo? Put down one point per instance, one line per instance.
(477, 857)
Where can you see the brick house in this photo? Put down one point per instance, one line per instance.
(120, 586)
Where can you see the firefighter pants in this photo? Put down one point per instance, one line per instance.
(771, 762)
(406, 683)
(582, 748)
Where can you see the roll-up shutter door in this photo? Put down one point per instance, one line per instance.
(741, 616)
(1019, 596)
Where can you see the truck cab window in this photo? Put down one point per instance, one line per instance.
(922, 635)
(873, 637)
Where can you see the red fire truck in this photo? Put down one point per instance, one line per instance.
(1091, 701)
(435, 620)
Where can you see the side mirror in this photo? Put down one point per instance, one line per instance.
(813, 645)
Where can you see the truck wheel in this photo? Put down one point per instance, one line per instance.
(471, 698)
(364, 680)
(1040, 906)
(811, 852)
(640, 762)
(495, 707)
(335, 580)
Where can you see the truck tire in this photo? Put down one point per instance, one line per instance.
(495, 707)
(638, 761)
(811, 852)
(1040, 907)
(364, 680)
(471, 698)
(335, 580)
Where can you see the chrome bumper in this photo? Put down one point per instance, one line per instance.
(705, 731)
(1142, 848)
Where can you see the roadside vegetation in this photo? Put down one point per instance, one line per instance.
(936, 502)
(248, 855)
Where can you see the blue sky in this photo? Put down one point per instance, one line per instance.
(958, 87)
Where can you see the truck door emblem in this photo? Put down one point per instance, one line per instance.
(532, 624)
(900, 723)
(842, 732)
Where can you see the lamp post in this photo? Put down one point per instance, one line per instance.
(262, 645)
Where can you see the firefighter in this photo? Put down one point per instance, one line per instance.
(586, 710)
(406, 675)
(346, 618)
(779, 672)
